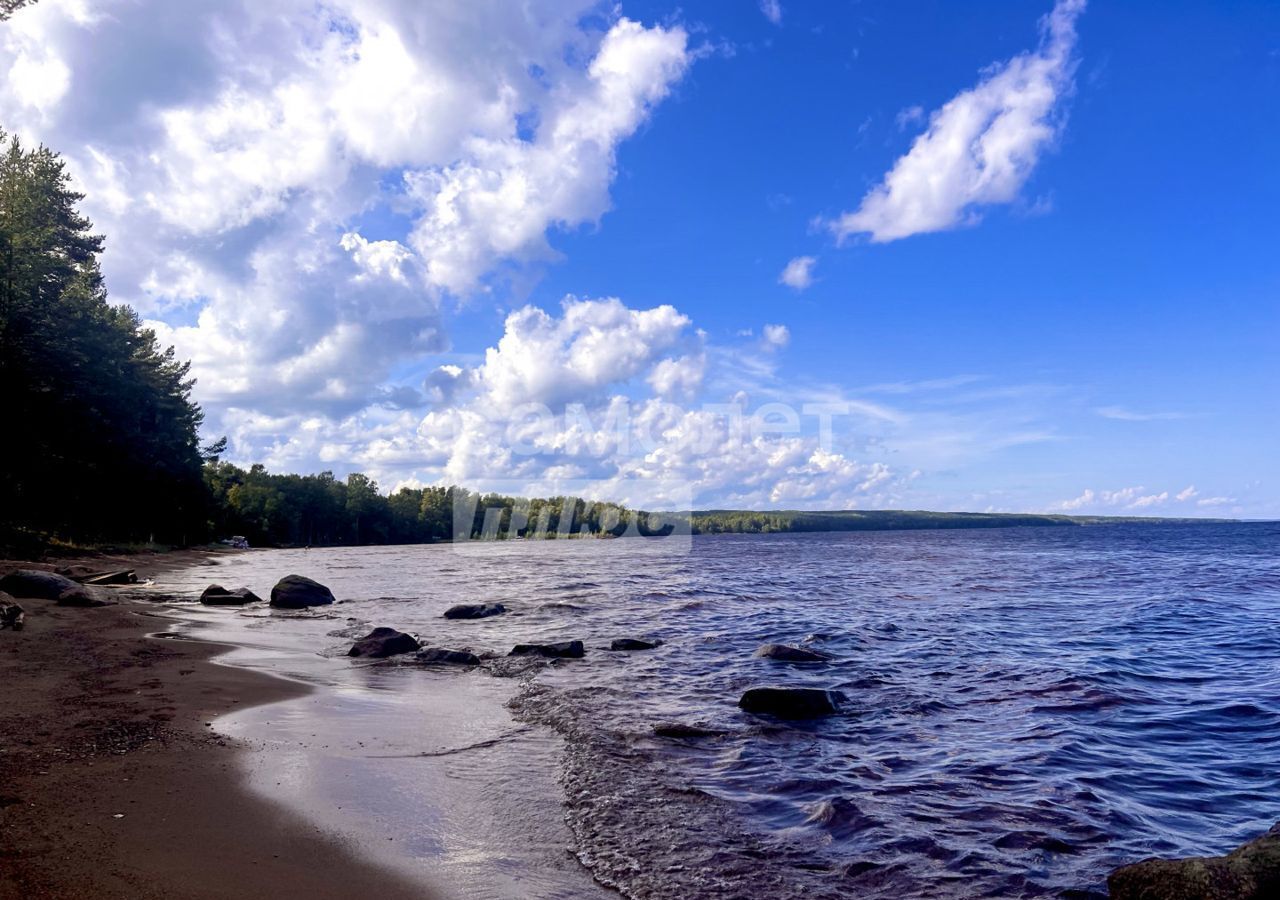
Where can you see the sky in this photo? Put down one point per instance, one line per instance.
(1004, 256)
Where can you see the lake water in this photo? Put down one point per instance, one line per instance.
(1028, 708)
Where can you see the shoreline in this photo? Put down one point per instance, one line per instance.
(112, 782)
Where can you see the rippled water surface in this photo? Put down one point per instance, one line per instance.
(1028, 708)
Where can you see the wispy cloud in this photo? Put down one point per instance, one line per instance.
(1121, 414)
(772, 10)
(980, 147)
(1124, 498)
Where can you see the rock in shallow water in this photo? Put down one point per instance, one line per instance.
(474, 610)
(299, 592)
(383, 642)
(439, 655)
(633, 644)
(560, 650)
(680, 730)
(791, 703)
(788, 653)
(1250, 872)
(217, 595)
(33, 583)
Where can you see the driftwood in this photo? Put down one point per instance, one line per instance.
(124, 576)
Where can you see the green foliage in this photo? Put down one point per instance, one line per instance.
(729, 521)
(100, 431)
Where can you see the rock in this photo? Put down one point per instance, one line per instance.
(217, 595)
(678, 730)
(474, 610)
(1250, 872)
(560, 650)
(11, 614)
(36, 584)
(791, 703)
(788, 653)
(299, 592)
(434, 655)
(633, 644)
(383, 642)
(80, 596)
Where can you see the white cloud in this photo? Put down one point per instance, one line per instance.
(772, 10)
(776, 336)
(1186, 493)
(1216, 501)
(980, 147)
(237, 155)
(799, 273)
(1131, 498)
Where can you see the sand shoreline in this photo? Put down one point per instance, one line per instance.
(112, 783)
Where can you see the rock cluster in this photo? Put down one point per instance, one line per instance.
(217, 595)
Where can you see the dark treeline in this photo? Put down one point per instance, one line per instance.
(101, 434)
(275, 510)
(729, 521)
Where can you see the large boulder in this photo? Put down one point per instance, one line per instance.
(383, 642)
(36, 584)
(1250, 872)
(633, 644)
(791, 703)
(441, 656)
(217, 595)
(81, 596)
(559, 650)
(474, 610)
(788, 653)
(11, 614)
(299, 592)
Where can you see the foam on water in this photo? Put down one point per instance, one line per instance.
(1028, 709)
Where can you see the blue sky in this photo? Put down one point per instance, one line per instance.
(1096, 333)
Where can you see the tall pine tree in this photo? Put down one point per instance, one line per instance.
(100, 435)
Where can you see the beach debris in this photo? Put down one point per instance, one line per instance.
(789, 653)
(11, 614)
(299, 592)
(434, 655)
(124, 576)
(35, 584)
(383, 642)
(474, 610)
(217, 595)
(792, 703)
(81, 597)
(633, 644)
(558, 650)
(1250, 872)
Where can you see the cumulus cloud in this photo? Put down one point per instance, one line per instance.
(1186, 493)
(799, 273)
(290, 191)
(772, 10)
(1125, 498)
(980, 147)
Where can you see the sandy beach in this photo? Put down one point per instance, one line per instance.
(112, 783)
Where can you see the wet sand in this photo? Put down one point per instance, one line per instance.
(112, 783)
